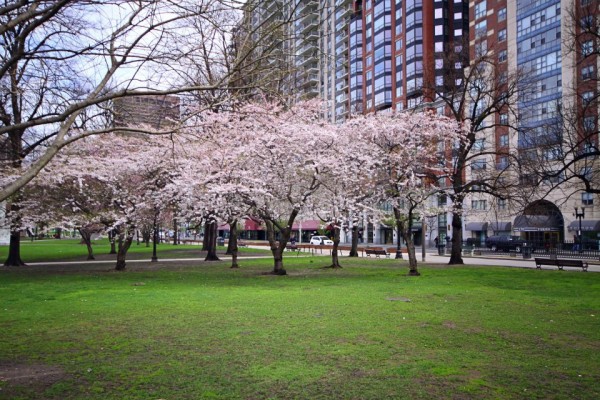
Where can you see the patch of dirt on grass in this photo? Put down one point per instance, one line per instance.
(449, 325)
(35, 377)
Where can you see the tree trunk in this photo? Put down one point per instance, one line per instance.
(456, 254)
(211, 255)
(412, 258)
(205, 241)
(335, 261)
(146, 234)
(175, 233)
(86, 237)
(125, 240)
(277, 249)
(410, 244)
(354, 248)
(14, 247)
(111, 239)
(14, 250)
(232, 237)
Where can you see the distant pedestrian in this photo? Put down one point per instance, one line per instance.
(437, 241)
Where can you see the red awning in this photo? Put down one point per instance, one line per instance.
(309, 225)
(252, 225)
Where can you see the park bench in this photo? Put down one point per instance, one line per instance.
(242, 244)
(561, 263)
(377, 251)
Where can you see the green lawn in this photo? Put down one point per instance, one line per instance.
(73, 250)
(364, 332)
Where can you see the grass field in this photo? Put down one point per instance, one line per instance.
(73, 250)
(364, 332)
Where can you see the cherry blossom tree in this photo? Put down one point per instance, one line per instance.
(404, 163)
(345, 188)
(122, 179)
(263, 159)
(63, 63)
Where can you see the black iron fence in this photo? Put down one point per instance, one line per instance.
(589, 249)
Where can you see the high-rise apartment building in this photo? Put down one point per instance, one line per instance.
(397, 50)
(371, 55)
(534, 38)
(283, 36)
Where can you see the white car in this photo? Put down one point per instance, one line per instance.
(321, 240)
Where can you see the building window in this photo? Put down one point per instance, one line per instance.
(503, 141)
(502, 204)
(480, 9)
(502, 56)
(478, 165)
(587, 48)
(587, 97)
(503, 119)
(502, 14)
(481, 29)
(552, 178)
(502, 35)
(502, 163)
(589, 124)
(552, 153)
(479, 145)
(587, 72)
(587, 199)
(479, 204)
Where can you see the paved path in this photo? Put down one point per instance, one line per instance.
(430, 258)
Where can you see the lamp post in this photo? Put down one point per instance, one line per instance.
(155, 239)
(580, 216)
(398, 241)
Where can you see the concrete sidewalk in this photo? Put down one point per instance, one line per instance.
(431, 257)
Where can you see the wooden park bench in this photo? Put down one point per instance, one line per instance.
(376, 251)
(561, 263)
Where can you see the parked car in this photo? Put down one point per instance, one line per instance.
(321, 240)
(505, 243)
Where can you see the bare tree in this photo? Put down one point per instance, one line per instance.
(479, 91)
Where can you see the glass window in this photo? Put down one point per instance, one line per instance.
(503, 141)
(587, 72)
(479, 145)
(502, 35)
(502, 56)
(478, 164)
(479, 204)
(502, 14)
(587, 47)
(587, 97)
(587, 199)
(480, 9)
(589, 124)
(481, 29)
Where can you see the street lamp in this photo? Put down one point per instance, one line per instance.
(155, 239)
(580, 216)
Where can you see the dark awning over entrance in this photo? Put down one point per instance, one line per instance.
(501, 226)
(417, 226)
(591, 225)
(476, 226)
(537, 223)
